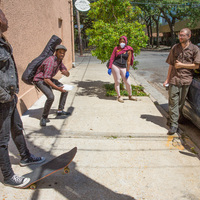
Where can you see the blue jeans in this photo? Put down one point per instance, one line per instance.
(10, 121)
(47, 90)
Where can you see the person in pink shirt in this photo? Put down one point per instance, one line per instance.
(120, 62)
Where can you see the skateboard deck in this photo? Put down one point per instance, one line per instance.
(45, 170)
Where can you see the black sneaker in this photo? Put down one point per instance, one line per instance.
(43, 121)
(59, 113)
(17, 181)
(172, 130)
(31, 160)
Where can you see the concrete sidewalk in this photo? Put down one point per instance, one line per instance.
(123, 149)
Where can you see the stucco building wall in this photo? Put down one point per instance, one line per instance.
(31, 25)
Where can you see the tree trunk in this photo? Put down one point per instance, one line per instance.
(171, 23)
(156, 20)
(148, 32)
(157, 31)
(173, 37)
(151, 33)
(173, 34)
(148, 29)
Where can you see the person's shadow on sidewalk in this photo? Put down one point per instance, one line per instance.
(78, 186)
(72, 186)
(160, 121)
(37, 113)
(92, 89)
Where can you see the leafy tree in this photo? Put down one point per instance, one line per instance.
(172, 11)
(194, 15)
(151, 15)
(146, 18)
(156, 17)
(112, 19)
(176, 10)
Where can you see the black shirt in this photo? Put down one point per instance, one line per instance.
(121, 60)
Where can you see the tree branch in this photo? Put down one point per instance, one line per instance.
(114, 14)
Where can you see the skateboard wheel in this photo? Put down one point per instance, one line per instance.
(66, 170)
(33, 186)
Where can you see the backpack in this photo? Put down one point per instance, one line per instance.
(30, 71)
(108, 63)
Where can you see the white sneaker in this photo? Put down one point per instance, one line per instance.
(17, 181)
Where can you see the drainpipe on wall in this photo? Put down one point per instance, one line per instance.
(72, 32)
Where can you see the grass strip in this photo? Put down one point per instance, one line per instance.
(137, 90)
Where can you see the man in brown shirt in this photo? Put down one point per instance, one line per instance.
(183, 59)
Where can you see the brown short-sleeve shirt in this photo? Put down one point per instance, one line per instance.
(188, 55)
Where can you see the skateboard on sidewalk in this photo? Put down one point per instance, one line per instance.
(45, 170)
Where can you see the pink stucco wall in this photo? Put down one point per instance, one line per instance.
(31, 25)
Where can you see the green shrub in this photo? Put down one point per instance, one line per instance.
(137, 90)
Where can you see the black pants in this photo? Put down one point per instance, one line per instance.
(10, 121)
(47, 90)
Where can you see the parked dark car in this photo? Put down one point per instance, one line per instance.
(191, 109)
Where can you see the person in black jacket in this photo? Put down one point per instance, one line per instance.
(10, 120)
